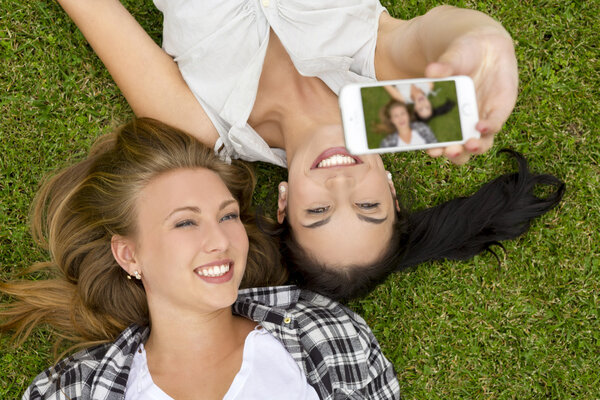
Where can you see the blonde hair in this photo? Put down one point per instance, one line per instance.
(88, 298)
(385, 125)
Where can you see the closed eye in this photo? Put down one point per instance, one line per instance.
(367, 206)
(318, 210)
(230, 216)
(185, 223)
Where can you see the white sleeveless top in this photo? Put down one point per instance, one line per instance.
(268, 372)
(220, 47)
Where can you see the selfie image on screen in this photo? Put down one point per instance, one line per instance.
(411, 114)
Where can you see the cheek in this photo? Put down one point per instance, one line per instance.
(239, 237)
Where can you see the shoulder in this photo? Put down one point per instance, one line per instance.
(424, 130)
(339, 341)
(70, 375)
(329, 320)
(96, 372)
(390, 140)
(307, 311)
(331, 343)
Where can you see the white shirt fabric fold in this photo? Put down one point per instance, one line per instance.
(220, 49)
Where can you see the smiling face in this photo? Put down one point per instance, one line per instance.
(340, 207)
(399, 117)
(190, 246)
(422, 104)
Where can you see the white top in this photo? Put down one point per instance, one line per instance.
(268, 372)
(404, 90)
(415, 139)
(220, 48)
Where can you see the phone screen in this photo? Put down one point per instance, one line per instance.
(411, 114)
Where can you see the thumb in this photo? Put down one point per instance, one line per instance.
(439, 70)
(462, 58)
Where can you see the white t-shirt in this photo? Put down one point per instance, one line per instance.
(220, 48)
(268, 372)
(405, 90)
(415, 139)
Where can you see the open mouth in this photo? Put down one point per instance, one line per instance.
(216, 272)
(335, 157)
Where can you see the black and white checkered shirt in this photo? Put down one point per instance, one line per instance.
(333, 346)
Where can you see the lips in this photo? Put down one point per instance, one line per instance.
(335, 157)
(219, 271)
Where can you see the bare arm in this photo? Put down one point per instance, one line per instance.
(452, 41)
(147, 76)
(394, 93)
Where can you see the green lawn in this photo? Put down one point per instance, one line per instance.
(528, 329)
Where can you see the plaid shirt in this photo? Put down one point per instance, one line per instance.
(332, 345)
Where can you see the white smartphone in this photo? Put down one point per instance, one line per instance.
(408, 114)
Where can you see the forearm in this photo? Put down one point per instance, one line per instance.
(410, 46)
(147, 76)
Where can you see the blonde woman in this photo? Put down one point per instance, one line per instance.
(397, 119)
(150, 238)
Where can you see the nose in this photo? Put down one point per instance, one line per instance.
(340, 181)
(214, 238)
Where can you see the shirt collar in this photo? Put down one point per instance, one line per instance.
(284, 297)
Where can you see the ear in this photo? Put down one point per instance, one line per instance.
(123, 250)
(282, 201)
(393, 189)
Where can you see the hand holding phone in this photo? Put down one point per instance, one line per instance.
(410, 114)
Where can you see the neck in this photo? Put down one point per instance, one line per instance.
(405, 133)
(289, 107)
(179, 339)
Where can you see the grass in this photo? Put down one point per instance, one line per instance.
(528, 329)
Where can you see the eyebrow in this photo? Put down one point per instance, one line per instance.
(371, 220)
(197, 210)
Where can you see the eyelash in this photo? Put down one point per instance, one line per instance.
(318, 210)
(367, 206)
(322, 210)
(230, 216)
(189, 222)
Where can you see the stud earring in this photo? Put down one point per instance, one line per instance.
(137, 274)
(389, 175)
(281, 189)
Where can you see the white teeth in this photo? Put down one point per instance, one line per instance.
(335, 160)
(218, 270)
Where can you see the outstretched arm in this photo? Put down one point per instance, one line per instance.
(394, 93)
(451, 41)
(147, 76)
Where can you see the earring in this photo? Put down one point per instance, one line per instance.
(389, 175)
(281, 189)
(137, 274)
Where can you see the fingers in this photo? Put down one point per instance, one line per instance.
(435, 153)
(457, 154)
(439, 70)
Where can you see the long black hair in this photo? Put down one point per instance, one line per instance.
(458, 229)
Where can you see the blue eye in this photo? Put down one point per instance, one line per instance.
(230, 216)
(318, 210)
(367, 206)
(184, 223)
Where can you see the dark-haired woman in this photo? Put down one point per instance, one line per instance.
(259, 81)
